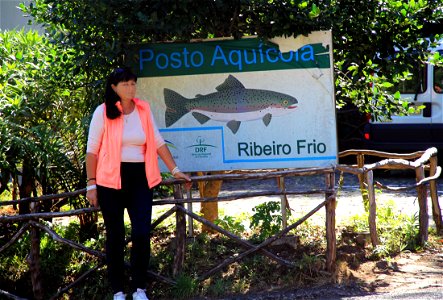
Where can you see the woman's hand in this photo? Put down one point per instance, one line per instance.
(181, 175)
(92, 198)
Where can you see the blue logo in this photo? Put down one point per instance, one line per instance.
(201, 148)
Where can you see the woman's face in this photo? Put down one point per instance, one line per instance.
(125, 89)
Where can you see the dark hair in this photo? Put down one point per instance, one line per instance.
(111, 97)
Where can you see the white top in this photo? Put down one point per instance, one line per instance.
(133, 140)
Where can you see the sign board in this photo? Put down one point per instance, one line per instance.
(242, 104)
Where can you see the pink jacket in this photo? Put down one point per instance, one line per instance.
(109, 156)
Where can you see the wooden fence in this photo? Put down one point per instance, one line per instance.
(426, 161)
(31, 222)
(420, 162)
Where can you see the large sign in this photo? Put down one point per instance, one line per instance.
(242, 104)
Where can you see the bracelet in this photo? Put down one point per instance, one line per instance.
(175, 171)
(89, 179)
(91, 187)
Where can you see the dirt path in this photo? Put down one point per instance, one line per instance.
(406, 272)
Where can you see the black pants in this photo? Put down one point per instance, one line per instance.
(136, 197)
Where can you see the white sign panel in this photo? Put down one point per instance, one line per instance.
(243, 104)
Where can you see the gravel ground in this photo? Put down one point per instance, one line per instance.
(349, 199)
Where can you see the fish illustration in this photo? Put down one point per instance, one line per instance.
(232, 103)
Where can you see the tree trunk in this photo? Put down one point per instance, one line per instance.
(209, 210)
(34, 259)
(14, 192)
(26, 186)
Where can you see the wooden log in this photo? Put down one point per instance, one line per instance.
(162, 278)
(411, 186)
(283, 200)
(436, 210)
(350, 169)
(16, 236)
(423, 206)
(426, 156)
(163, 217)
(239, 240)
(34, 259)
(11, 296)
(70, 243)
(45, 197)
(254, 175)
(264, 243)
(331, 241)
(76, 282)
(37, 216)
(381, 154)
(14, 192)
(189, 207)
(241, 196)
(361, 179)
(180, 236)
(372, 218)
(391, 164)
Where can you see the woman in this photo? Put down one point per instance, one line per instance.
(122, 169)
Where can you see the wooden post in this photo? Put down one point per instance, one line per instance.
(190, 220)
(209, 210)
(284, 202)
(14, 191)
(331, 242)
(436, 211)
(372, 219)
(423, 206)
(180, 238)
(361, 180)
(34, 259)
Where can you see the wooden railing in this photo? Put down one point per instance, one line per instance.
(420, 162)
(32, 223)
(423, 161)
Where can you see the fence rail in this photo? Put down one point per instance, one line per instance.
(424, 161)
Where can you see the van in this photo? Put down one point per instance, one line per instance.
(418, 131)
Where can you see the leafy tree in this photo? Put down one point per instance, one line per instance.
(43, 116)
(366, 34)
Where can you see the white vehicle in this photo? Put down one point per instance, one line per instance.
(417, 131)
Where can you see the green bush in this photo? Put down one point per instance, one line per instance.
(44, 115)
(231, 224)
(267, 219)
(396, 231)
(185, 288)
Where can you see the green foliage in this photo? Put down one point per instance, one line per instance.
(231, 224)
(310, 265)
(364, 45)
(163, 191)
(310, 233)
(185, 287)
(13, 267)
(397, 232)
(43, 116)
(218, 288)
(267, 219)
(366, 34)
